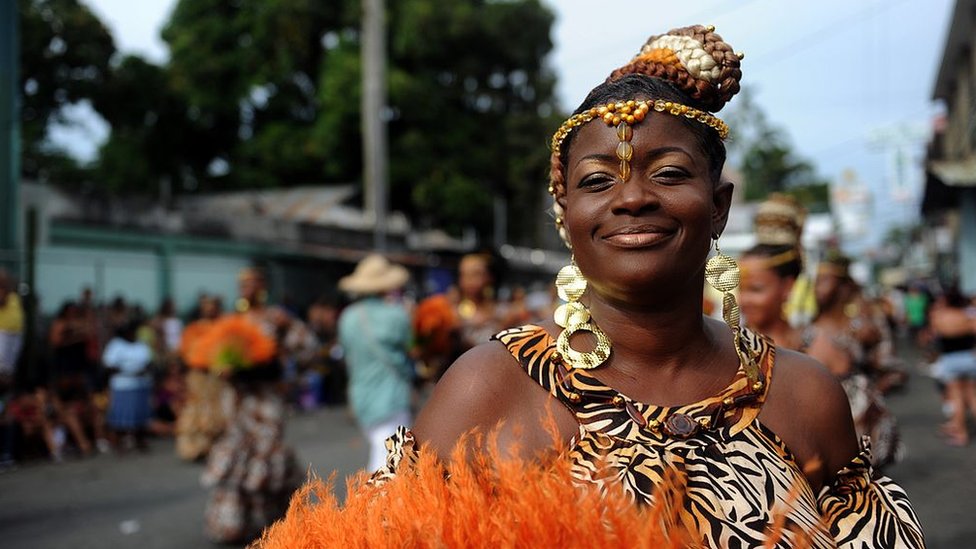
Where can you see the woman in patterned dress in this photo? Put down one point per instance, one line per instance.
(638, 383)
(842, 338)
(639, 204)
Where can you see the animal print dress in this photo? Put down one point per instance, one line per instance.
(738, 473)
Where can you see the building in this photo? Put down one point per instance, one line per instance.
(949, 202)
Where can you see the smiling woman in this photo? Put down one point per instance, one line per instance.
(647, 388)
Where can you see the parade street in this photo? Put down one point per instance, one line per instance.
(154, 500)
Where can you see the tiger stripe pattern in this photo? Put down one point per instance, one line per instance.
(737, 473)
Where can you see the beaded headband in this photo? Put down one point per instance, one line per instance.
(623, 114)
(779, 259)
(695, 60)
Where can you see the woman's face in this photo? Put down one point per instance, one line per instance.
(652, 231)
(762, 292)
(473, 277)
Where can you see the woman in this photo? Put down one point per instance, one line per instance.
(638, 197)
(955, 338)
(770, 269)
(209, 398)
(843, 337)
(480, 313)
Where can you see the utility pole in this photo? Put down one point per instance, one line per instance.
(375, 172)
(9, 136)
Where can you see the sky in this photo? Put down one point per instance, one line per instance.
(834, 75)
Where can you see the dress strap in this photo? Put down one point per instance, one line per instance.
(533, 348)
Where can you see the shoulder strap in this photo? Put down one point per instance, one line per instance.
(532, 347)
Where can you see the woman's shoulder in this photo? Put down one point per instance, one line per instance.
(809, 411)
(484, 390)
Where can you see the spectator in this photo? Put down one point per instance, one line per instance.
(375, 335)
(131, 385)
(11, 328)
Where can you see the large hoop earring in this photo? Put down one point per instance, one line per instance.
(574, 317)
(722, 273)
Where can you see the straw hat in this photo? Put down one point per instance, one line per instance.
(374, 275)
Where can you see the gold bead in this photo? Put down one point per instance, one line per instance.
(728, 401)
(620, 105)
(639, 116)
(741, 55)
(654, 424)
(757, 385)
(559, 221)
(624, 167)
(556, 358)
(624, 132)
(631, 103)
(710, 28)
(616, 120)
(551, 190)
(630, 119)
(617, 400)
(659, 105)
(608, 117)
(625, 151)
(705, 422)
(574, 397)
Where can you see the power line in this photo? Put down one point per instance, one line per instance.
(839, 25)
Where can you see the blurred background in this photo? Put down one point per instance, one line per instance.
(151, 150)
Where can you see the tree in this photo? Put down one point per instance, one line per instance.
(64, 59)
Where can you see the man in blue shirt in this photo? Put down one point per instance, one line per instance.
(375, 335)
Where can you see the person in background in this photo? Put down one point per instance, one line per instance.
(954, 332)
(74, 374)
(169, 329)
(916, 303)
(11, 329)
(375, 335)
(208, 399)
(479, 312)
(128, 360)
(323, 318)
(770, 269)
(843, 338)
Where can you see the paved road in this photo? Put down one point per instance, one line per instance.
(154, 500)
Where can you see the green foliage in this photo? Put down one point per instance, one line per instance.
(270, 90)
(64, 59)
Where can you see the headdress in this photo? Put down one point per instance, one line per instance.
(694, 60)
(779, 224)
(374, 275)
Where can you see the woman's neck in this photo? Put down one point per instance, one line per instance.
(662, 336)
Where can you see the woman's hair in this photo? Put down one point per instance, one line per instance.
(659, 72)
(784, 259)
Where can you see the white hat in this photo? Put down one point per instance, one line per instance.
(374, 275)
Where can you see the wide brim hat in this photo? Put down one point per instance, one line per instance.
(374, 275)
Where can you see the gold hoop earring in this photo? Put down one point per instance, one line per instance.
(722, 273)
(574, 317)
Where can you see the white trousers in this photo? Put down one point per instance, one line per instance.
(376, 436)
